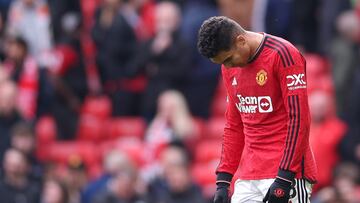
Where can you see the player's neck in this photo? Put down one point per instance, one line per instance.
(255, 43)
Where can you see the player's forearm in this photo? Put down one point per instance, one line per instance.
(232, 147)
(297, 138)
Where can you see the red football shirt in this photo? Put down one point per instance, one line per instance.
(268, 115)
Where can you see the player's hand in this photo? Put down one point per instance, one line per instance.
(222, 193)
(223, 181)
(279, 191)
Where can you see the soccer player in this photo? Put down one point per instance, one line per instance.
(266, 134)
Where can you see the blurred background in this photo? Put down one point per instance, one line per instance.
(108, 101)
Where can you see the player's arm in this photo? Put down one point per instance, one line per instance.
(232, 147)
(292, 80)
(232, 144)
(294, 91)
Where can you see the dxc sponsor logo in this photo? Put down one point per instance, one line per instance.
(296, 81)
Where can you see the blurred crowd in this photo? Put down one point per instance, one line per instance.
(108, 101)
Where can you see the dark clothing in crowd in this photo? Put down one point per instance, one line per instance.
(60, 9)
(6, 123)
(305, 24)
(164, 71)
(159, 191)
(71, 89)
(351, 141)
(278, 17)
(115, 45)
(30, 193)
(203, 76)
(108, 197)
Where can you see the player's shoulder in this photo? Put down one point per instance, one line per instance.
(289, 55)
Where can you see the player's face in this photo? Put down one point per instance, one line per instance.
(237, 56)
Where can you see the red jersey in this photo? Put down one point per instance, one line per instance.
(268, 117)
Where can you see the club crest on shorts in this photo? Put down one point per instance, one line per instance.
(261, 77)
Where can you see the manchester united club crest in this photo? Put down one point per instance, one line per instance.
(261, 77)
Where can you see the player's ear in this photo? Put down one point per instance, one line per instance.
(240, 40)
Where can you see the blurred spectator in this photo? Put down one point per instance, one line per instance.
(2, 37)
(345, 188)
(15, 185)
(54, 191)
(23, 139)
(305, 25)
(164, 59)
(114, 162)
(67, 68)
(68, 78)
(9, 115)
(202, 78)
(75, 179)
(239, 10)
(121, 187)
(326, 16)
(345, 60)
(30, 19)
(350, 144)
(172, 122)
(115, 39)
(4, 7)
(23, 70)
(180, 3)
(277, 17)
(175, 184)
(326, 131)
(65, 15)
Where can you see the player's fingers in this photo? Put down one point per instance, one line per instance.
(218, 199)
(266, 198)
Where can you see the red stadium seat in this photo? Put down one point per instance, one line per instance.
(133, 147)
(215, 127)
(319, 76)
(219, 103)
(45, 130)
(218, 106)
(316, 65)
(126, 126)
(204, 175)
(60, 152)
(99, 107)
(91, 128)
(199, 127)
(207, 151)
(45, 134)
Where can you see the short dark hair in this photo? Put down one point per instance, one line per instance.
(216, 34)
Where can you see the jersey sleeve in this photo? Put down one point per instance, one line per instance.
(294, 93)
(233, 139)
